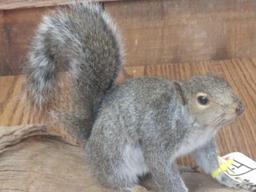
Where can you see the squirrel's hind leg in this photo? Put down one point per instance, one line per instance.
(118, 169)
(165, 175)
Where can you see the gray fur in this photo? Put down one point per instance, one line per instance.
(149, 116)
(83, 41)
(139, 128)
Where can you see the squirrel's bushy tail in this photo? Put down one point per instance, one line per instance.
(83, 41)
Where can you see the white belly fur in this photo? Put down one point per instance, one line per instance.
(134, 163)
(192, 142)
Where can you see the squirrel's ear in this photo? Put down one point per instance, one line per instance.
(180, 92)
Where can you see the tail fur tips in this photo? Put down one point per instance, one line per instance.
(81, 40)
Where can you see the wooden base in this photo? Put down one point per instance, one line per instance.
(48, 164)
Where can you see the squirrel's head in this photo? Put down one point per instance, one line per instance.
(211, 101)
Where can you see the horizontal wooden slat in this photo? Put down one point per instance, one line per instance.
(239, 136)
(3, 52)
(17, 28)
(177, 31)
(17, 4)
(154, 31)
(16, 31)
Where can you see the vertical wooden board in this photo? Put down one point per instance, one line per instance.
(178, 31)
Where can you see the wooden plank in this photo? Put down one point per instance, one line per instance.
(240, 136)
(17, 28)
(17, 4)
(179, 31)
(154, 31)
(50, 165)
(16, 31)
(3, 52)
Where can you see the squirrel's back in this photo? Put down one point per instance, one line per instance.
(82, 40)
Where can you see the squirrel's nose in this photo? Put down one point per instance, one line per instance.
(239, 108)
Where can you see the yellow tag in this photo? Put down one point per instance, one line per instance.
(222, 168)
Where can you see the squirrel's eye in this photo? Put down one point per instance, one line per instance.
(203, 100)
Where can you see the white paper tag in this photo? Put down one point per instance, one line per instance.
(243, 169)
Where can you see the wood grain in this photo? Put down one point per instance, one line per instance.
(46, 164)
(3, 54)
(154, 32)
(12, 135)
(17, 4)
(16, 31)
(241, 74)
(164, 32)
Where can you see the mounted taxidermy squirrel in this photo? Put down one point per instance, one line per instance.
(134, 131)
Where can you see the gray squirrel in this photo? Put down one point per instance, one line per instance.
(135, 131)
